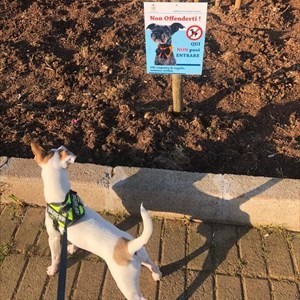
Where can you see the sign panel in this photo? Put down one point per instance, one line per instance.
(175, 35)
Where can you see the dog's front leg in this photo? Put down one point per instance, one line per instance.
(55, 248)
(54, 244)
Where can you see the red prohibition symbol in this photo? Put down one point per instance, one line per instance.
(194, 32)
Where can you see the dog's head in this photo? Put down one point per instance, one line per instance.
(161, 34)
(59, 158)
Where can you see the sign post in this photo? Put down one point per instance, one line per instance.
(177, 87)
(177, 93)
(237, 4)
(175, 35)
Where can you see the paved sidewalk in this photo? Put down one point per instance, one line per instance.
(198, 261)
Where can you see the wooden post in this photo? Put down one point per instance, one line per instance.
(177, 89)
(237, 4)
(177, 86)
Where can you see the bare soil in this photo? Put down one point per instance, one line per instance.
(73, 73)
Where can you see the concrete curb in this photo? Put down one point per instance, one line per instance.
(233, 199)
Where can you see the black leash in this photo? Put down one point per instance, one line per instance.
(63, 266)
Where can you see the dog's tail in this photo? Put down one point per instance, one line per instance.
(138, 243)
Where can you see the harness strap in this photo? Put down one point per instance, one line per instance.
(68, 212)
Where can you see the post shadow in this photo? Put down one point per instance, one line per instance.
(131, 199)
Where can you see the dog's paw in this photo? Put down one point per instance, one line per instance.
(72, 249)
(51, 270)
(156, 276)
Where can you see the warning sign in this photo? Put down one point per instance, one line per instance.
(194, 32)
(175, 35)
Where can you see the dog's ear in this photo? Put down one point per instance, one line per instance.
(66, 156)
(175, 27)
(39, 153)
(37, 150)
(151, 26)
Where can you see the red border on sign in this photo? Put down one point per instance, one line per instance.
(192, 30)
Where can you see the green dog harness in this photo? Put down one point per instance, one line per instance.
(67, 212)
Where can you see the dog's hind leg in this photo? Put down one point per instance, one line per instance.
(156, 274)
(148, 263)
(72, 249)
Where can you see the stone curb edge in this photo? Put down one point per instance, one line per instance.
(231, 199)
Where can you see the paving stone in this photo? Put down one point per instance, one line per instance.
(148, 286)
(110, 288)
(51, 291)
(153, 245)
(229, 288)
(252, 252)
(110, 218)
(29, 229)
(81, 254)
(295, 243)
(257, 289)
(33, 280)
(199, 285)
(283, 290)
(8, 223)
(42, 247)
(199, 247)
(172, 286)
(2, 206)
(174, 252)
(278, 256)
(89, 281)
(10, 271)
(86, 272)
(226, 257)
(129, 224)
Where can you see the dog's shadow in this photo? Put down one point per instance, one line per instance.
(217, 245)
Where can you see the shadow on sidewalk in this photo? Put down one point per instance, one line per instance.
(130, 198)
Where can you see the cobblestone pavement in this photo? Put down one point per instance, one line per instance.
(198, 261)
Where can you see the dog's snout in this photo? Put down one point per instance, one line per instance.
(159, 36)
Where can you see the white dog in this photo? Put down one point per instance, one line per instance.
(123, 254)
